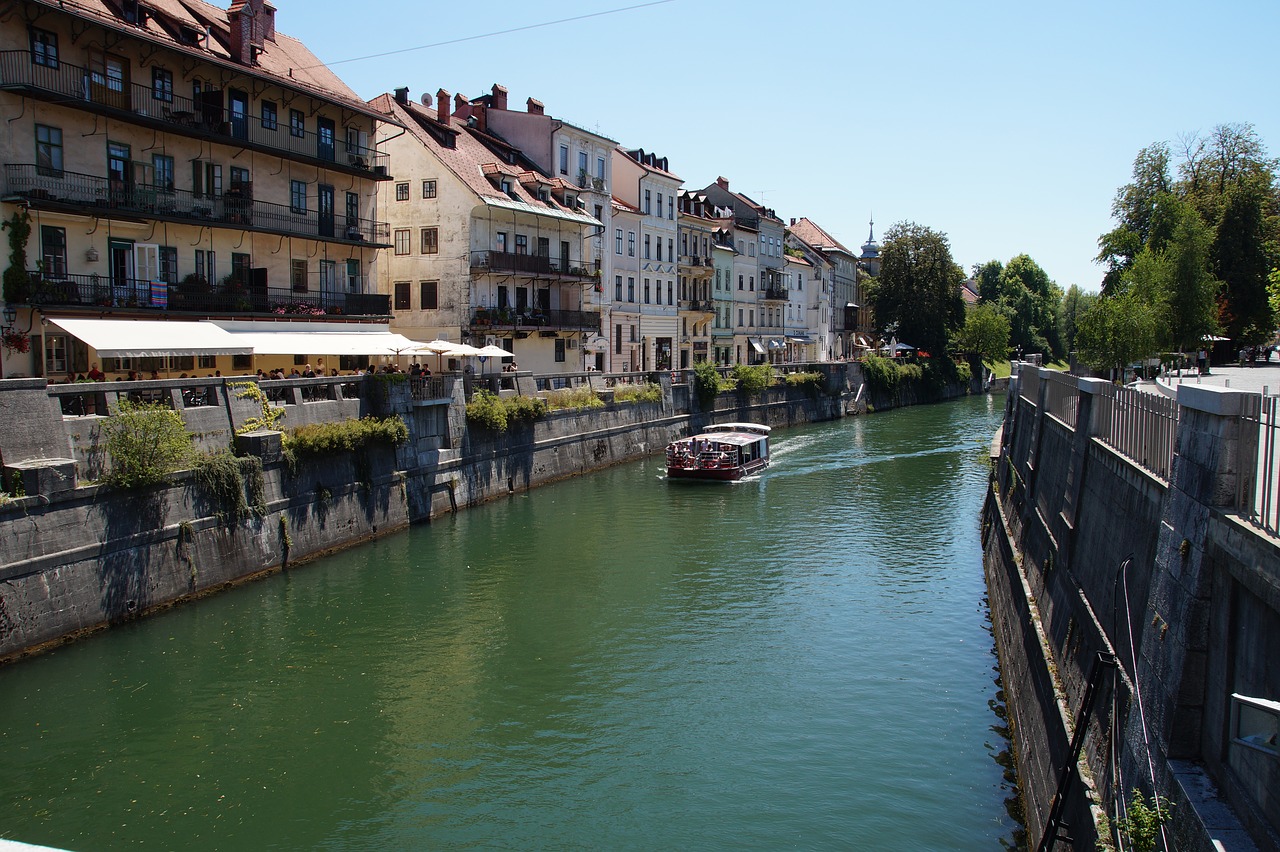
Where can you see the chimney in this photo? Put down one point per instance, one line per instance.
(442, 107)
(245, 18)
(793, 221)
(481, 114)
(722, 182)
(402, 96)
(461, 107)
(268, 22)
(499, 96)
(535, 107)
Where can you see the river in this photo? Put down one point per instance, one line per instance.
(799, 661)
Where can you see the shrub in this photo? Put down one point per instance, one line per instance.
(271, 415)
(526, 408)
(573, 398)
(753, 380)
(706, 383)
(882, 374)
(146, 442)
(647, 392)
(487, 411)
(323, 439)
(17, 282)
(812, 383)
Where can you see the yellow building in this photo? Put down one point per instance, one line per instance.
(178, 161)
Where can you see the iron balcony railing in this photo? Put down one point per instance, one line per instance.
(163, 108)
(586, 181)
(697, 305)
(534, 264)
(774, 294)
(40, 185)
(196, 296)
(533, 319)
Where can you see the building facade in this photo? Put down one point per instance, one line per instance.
(174, 160)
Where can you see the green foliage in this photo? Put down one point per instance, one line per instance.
(573, 398)
(964, 373)
(286, 540)
(706, 383)
(1074, 303)
(985, 335)
(647, 392)
(17, 281)
(271, 415)
(1118, 329)
(327, 439)
(813, 384)
(753, 380)
(489, 411)
(146, 442)
(882, 374)
(225, 478)
(1239, 258)
(917, 294)
(1141, 824)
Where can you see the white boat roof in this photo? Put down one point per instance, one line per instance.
(739, 427)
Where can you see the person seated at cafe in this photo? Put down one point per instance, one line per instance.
(308, 373)
(155, 374)
(96, 375)
(133, 375)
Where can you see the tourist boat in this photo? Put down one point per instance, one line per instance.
(725, 452)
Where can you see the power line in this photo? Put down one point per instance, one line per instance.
(498, 33)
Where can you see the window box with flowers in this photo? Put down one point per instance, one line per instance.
(16, 342)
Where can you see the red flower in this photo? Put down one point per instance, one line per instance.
(16, 341)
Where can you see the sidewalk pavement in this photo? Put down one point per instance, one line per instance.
(1253, 379)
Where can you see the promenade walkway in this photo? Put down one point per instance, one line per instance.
(1265, 376)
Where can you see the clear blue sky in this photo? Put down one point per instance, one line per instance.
(1006, 125)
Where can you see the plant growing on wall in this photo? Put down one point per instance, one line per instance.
(706, 382)
(647, 392)
(224, 477)
(573, 398)
(146, 442)
(753, 380)
(17, 282)
(271, 415)
(1140, 825)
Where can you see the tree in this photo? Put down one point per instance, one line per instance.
(1074, 303)
(1031, 300)
(918, 291)
(1240, 260)
(1117, 330)
(1133, 208)
(988, 277)
(985, 335)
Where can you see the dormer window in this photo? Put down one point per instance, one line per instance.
(570, 200)
(543, 195)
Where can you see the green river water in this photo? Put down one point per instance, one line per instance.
(799, 661)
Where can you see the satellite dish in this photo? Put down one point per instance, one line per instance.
(426, 99)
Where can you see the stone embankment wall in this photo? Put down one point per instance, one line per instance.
(75, 558)
(1090, 552)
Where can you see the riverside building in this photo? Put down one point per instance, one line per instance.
(179, 161)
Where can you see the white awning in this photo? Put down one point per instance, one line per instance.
(119, 338)
(315, 338)
(756, 345)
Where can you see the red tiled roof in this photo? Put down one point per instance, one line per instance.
(809, 233)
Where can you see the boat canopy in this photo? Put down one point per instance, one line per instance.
(739, 427)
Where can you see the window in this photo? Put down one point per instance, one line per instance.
(617, 241)
(169, 264)
(646, 247)
(298, 275)
(1255, 723)
(522, 244)
(162, 85)
(402, 241)
(560, 349)
(298, 196)
(617, 339)
(240, 183)
(53, 244)
(717, 279)
(617, 288)
(162, 171)
(647, 203)
(206, 265)
(600, 168)
(428, 189)
(582, 170)
(402, 296)
(670, 288)
(751, 316)
(353, 209)
(739, 316)
(564, 159)
(207, 362)
(428, 295)
(646, 291)
(55, 354)
(631, 289)
(659, 205)
(500, 241)
(44, 48)
(751, 249)
(631, 243)
(671, 207)
(402, 191)
(739, 281)
(206, 180)
(48, 151)
(430, 240)
(269, 119)
(751, 282)
(297, 123)
(671, 249)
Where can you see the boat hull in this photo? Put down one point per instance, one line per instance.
(716, 474)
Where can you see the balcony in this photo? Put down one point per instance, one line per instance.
(105, 294)
(489, 320)
(697, 306)
(56, 189)
(595, 184)
(73, 85)
(537, 265)
(774, 294)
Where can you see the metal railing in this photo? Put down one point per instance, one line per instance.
(163, 107)
(774, 294)
(533, 319)
(430, 388)
(1259, 498)
(1062, 397)
(700, 305)
(197, 296)
(534, 264)
(1028, 383)
(43, 185)
(1140, 426)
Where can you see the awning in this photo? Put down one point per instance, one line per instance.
(117, 338)
(797, 338)
(315, 338)
(777, 343)
(756, 345)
